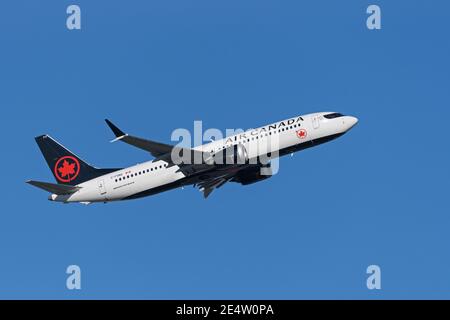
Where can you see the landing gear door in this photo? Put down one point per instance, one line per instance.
(101, 187)
(315, 122)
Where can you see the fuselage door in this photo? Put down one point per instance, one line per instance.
(101, 187)
(315, 122)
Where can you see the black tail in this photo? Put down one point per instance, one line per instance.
(67, 167)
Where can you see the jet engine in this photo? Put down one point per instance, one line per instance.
(253, 174)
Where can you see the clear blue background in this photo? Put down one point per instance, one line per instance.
(378, 195)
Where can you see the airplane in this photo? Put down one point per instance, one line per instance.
(238, 158)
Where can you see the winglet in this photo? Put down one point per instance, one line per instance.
(117, 132)
(114, 129)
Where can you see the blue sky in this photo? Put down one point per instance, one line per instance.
(377, 195)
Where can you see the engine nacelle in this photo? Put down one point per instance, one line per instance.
(253, 174)
(233, 155)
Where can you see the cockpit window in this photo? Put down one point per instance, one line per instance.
(333, 115)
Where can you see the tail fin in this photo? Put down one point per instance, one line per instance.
(67, 168)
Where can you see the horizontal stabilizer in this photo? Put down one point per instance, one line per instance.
(58, 189)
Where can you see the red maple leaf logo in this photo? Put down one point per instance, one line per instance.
(67, 169)
(301, 133)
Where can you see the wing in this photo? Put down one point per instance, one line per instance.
(244, 175)
(159, 150)
(209, 185)
(156, 149)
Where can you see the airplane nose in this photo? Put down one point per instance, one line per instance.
(353, 121)
(350, 122)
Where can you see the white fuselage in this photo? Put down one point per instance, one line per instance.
(150, 175)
